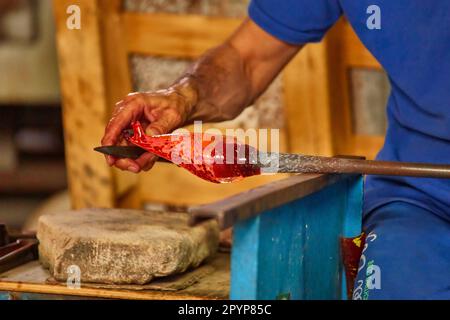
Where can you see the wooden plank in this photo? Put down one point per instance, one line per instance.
(115, 55)
(85, 107)
(90, 292)
(174, 35)
(294, 250)
(341, 119)
(117, 74)
(32, 278)
(40, 296)
(306, 87)
(248, 204)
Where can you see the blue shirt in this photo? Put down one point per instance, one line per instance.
(413, 45)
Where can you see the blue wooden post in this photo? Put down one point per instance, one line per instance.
(5, 296)
(294, 250)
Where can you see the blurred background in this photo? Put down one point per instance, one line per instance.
(32, 166)
(330, 100)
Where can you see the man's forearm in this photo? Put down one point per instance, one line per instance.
(230, 77)
(217, 86)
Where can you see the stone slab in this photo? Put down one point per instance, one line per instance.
(119, 246)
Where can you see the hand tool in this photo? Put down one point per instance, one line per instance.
(130, 152)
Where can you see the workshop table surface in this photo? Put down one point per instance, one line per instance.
(32, 281)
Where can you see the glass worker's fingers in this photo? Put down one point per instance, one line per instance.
(159, 113)
(148, 162)
(110, 160)
(128, 165)
(127, 111)
(120, 122)
(149, 166)
(146, 159)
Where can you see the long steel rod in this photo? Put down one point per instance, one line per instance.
(297, 163)
(294, 163)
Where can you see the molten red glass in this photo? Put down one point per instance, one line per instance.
(218, 159)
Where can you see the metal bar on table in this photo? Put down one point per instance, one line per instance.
(256, 201)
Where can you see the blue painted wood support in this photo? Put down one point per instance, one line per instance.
(293, 250)
(5, 296)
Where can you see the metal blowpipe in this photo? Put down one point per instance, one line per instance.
(295, 163)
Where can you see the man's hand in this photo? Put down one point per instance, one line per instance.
(159, 112)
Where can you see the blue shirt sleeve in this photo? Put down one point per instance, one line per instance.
(295, 21)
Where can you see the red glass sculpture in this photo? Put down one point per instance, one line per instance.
(218, 159)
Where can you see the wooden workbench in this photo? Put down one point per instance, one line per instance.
(30, 281)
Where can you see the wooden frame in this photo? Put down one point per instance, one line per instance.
(95, 73)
